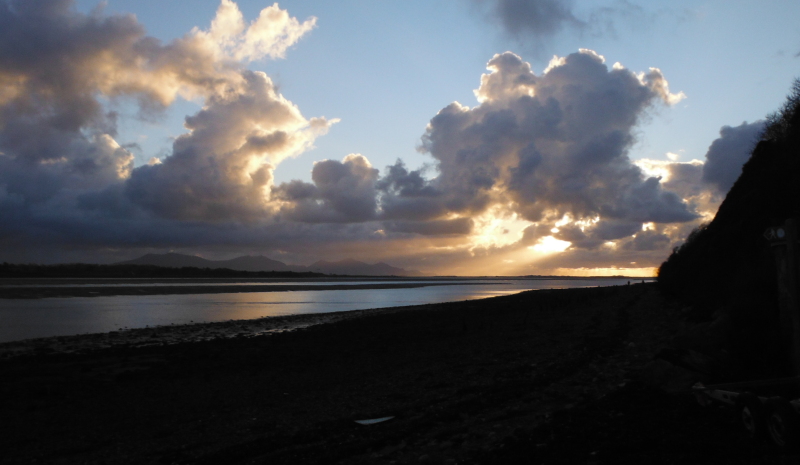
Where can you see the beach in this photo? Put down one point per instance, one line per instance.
(550, 376)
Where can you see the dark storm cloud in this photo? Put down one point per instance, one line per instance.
(728, 153)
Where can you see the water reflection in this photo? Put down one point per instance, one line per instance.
(219, 282)
(24, 319)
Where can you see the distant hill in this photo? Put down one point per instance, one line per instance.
(170, 260)
(256, 263)
(354, 267)
(90, 270)
(261, 263)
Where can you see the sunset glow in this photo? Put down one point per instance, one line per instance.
(495, 229)
(229, 129)
(549, 244)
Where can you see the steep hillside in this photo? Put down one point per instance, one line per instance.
(728, 265)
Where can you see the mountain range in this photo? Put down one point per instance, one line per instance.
(262, 263)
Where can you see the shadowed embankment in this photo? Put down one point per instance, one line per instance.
(726, 270)
(557, 376)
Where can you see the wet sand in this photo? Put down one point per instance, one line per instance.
(539, 377)
(174, 334)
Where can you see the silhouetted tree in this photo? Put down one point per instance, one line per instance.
(782, 124)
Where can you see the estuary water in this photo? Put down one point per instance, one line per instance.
(64, 316)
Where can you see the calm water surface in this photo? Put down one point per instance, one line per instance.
(25, 319)
(220, 282)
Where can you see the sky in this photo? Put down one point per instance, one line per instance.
(458, 137)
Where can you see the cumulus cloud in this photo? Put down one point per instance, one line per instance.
(341, 192)
(648, 240)
(57, 139)
(703, 184)
(408, 195)
(685, 179)
(222, 169)
(552, 145)
(728, 153)
(541, 157)
(270, 34)
(537, 147)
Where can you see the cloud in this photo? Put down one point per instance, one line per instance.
(728, 153)
(537, 147)
(532, 23)
(270, 34)
(704, 184)
(535, 18)
(685, 179)
(552, 145)
(408, 195)
(700, 184)
(57, 140)
(458, 227)
(222, 169)
(540, 158)
(341, 192)
(648, 240)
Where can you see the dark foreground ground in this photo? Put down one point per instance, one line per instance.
(539, 377)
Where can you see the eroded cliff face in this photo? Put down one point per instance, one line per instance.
(728, 265)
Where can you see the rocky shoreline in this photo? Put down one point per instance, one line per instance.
(556, 376)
